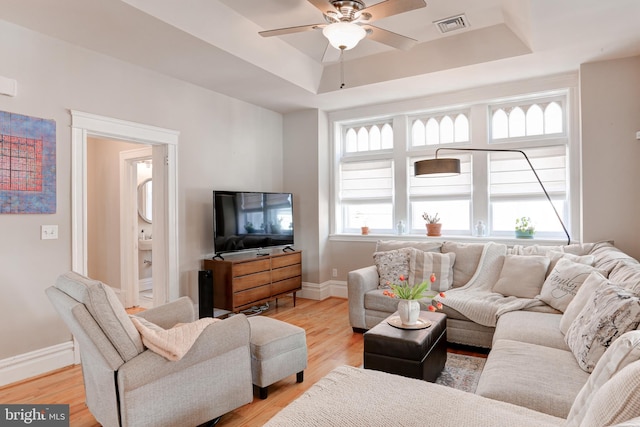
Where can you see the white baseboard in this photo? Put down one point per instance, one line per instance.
(145, 284)
(322, 291)
(23, 366)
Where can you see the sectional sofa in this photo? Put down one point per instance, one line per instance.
(548, 313)
(560, 322)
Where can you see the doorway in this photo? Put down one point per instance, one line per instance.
(136, 216)
(163, 144)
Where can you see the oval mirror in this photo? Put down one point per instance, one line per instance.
(145, 200)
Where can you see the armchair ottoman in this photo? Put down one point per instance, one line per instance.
(278, 349)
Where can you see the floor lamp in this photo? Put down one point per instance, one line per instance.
(445, 167)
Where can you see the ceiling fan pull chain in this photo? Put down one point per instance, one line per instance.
(341, 68)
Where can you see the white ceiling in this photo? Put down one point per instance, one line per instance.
(215, 44)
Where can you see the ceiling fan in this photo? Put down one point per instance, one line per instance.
(348, 22)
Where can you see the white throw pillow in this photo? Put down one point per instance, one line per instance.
(423, 264)
(563, 283)
(617, 401)
(522, 275)
(584, 294)
(624, 351)
(555, 256)
(391, 265)
(611, 312)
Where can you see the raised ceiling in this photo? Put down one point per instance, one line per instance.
(215, 44)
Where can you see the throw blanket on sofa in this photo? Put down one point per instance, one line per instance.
(476, 300)
(174, 343)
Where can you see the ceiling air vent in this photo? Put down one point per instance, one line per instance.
(453, 23)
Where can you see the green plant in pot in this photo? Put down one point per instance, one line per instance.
(250, 227)
(525, 228)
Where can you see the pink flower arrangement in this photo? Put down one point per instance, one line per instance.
(405, 291)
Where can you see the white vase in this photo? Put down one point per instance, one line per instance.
(409, 310)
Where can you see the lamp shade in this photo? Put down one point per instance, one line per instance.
(344, 35)
(440, 167)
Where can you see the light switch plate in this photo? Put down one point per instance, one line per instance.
(48, 232)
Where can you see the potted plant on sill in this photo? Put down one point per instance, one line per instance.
(525, 228)
(433, 224)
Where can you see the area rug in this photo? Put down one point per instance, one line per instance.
(461, 372)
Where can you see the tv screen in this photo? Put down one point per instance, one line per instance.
(246, 220)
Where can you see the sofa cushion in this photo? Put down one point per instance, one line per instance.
(391, 265)
(624, 351)
(107, 310)
(627, 273)
(561, 286)
(607, 256)
(611, 312)
(555, 256)
(522, 275)
(531, 327)
(541, 378)
(617, 401)
(467, 259)
(423, 264)
(586, 290)
(376, 300)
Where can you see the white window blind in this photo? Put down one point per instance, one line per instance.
(451, 186)
(369, 180)
(510, 174)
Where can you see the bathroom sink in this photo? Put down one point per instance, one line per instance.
(145, 245)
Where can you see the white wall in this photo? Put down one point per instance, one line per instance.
(610, 92)
(301, 140)
(224, 144)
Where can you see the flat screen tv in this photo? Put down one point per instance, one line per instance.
(251, 220)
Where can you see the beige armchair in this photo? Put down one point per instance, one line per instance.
(128, 385)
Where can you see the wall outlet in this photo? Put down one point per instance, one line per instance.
(48, 232)
(334, 272)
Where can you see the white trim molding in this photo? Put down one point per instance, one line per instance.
(322, 291)
(36, 362)
(165, 176)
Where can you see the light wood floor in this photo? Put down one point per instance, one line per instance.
(330, 343)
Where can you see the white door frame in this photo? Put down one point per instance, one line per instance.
(129, 272)
(165, 208)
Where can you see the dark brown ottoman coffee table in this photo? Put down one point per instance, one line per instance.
(415, 353)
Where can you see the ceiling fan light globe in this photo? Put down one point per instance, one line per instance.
(344, 35)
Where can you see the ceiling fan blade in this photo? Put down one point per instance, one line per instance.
(290, 30)
(324, 6)
(331, 54)
(389, 38)
(390, 8)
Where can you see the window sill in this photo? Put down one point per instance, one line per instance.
(509, 241)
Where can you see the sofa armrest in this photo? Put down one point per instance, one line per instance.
(359, 282)
(167, 315)
(215, 340)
